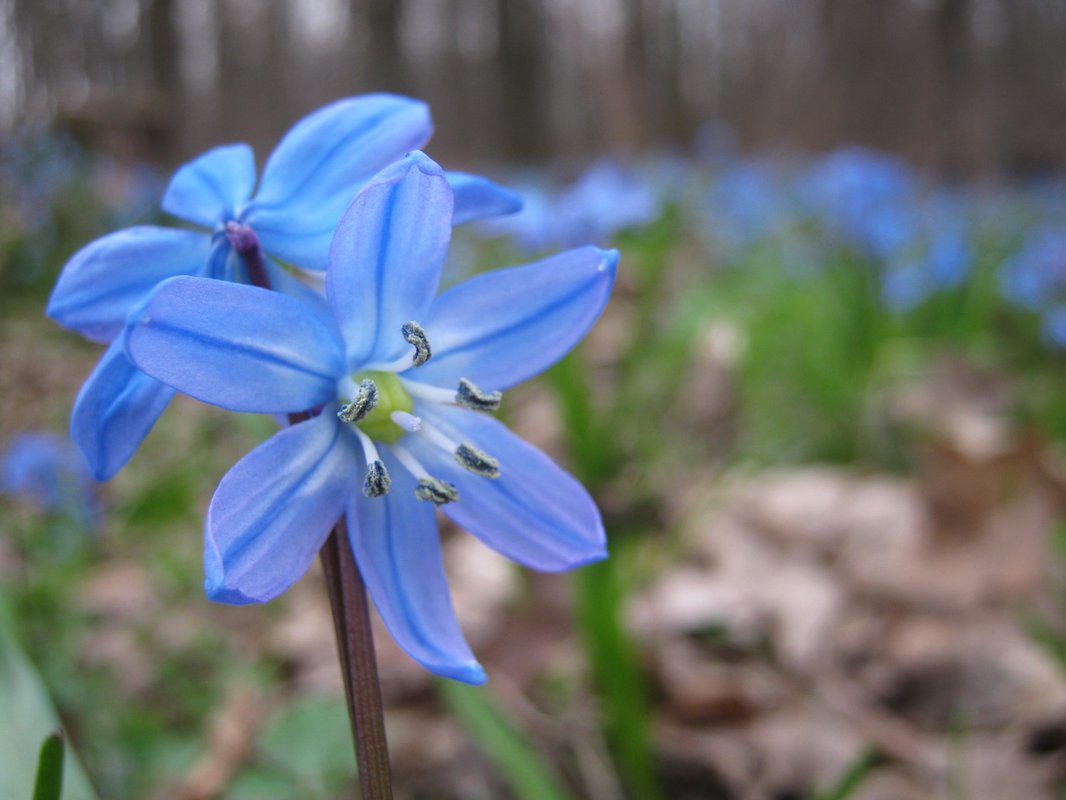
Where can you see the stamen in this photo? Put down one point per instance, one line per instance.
(423, 391)
(477, 461)
(468, 456)
(470, 396)
(430, 489)
(416, 337)
(377, 480)
(362, 404)
(409, 422)
(436, 491)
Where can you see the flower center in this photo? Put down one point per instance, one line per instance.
(392, 397)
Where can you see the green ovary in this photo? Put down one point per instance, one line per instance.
(378, 424)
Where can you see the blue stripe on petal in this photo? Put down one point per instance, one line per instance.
(397, 547)
(478, 198)
(239, 347)
(274, 509)
(321, 164)
(500, 328)
(534, 513)
(115, 409)
(108, 277)
(214, 187)
(386, 257)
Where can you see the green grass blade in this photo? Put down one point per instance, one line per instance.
(49, 783)
(851, 779)
(517, 761)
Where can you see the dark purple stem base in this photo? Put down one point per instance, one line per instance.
(245, 241)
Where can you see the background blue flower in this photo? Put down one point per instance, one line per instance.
(46, 469)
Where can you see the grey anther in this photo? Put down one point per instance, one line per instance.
(436, 491)
(377, 480)
(416, 337)
(470, 396)
(477, 461)
(362, 404)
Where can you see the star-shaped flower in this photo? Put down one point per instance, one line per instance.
(400, 433)
(307, 182)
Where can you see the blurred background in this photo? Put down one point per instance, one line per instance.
(961, 86)
(824, 414)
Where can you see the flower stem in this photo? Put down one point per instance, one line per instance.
(351, 619)
(355, 645)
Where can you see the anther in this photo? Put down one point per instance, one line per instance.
(416, 337)
(362, 404)
(469, 395)
(377, 480)
(477, 461)
(436, 491)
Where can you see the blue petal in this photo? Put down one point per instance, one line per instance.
(322, 163)
(500, 328)
(386, 257)
(534, 513)
(274, 509)
(397, 547)
(214, 187)
(114, 411)
(239, 347)
(478, 198)
(281, 280)
(108, 277)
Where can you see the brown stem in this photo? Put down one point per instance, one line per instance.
(355, 643)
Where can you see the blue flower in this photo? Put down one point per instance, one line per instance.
(605, 200)
(748, 203)
(46, 470)
(1035, 275)
(411, 430)
(864, 199)
(306, 184)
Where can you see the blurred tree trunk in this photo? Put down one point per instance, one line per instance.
(523, 45)
(951, 53)
(386, 65)
(163, 46)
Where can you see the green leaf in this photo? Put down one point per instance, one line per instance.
(530, 778)
(49, 783)
(28, 718)
(311, 742)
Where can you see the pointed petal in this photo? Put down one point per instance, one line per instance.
(535, 513)
(397, 547)
(114, 411)
(500, 328)
(386, 257)
(213, 187)
(108, 277)
(239, 347)
(321, 164)
(478, 198)
(274, 509)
